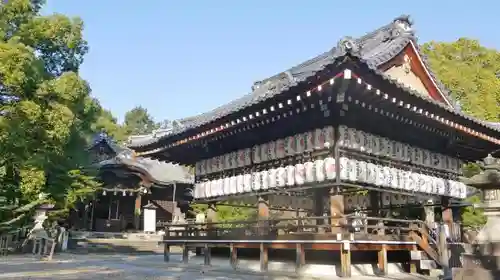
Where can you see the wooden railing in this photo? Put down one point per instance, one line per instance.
(282, 228)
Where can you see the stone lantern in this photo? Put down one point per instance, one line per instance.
(484, 260)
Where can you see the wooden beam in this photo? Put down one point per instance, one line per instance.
(382, 260)
(300, 257)
(264, 257)
(185, 253)
(336, 211)
(234, 255)
(207, 255)
(345, 260)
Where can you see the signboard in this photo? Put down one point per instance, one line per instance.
(149, 220)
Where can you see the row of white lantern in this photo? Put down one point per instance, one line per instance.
(381, 146)
(323, 170)
(292, 145)
(356, 201)
(323, 138)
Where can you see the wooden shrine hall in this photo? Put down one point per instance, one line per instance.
(129, 185)
(363, 138)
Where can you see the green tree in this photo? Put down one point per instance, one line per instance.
(47, 113)
(471, 73)
(138, 121)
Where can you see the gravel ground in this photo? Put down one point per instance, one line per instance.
(100, 267)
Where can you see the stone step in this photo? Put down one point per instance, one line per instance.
(115, 246)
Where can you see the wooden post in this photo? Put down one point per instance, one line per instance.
(319, 208)
(263, 215)
(345, 259)
(300, 257)
(336, 211)
(137, 211)
(234, 255)
(207, 254)
(264, 260)
(211, 221)
(185, 253)
(413, 263)
(382, 260)
(166, 250)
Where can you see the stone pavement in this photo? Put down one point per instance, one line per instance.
(97, 267)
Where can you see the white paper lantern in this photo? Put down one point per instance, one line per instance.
(319, 139)
(232, 185)
(362, 141)
(290, 145)
(330, 168)
(209, 189)
(329, 133)
(399, 151)
(371, 173)
(290, 175)
(380, 179)
(247, 182)
(352, 170)
(271, 150)
(408, 153)
(226, 185)
(377, 145)
(226, 161)
(414, 181)
(343, 136)
(264, 156)
(300, 174)
(280, 148)
(233, 159)
(300, 143)
(256, 181)
(309, 141)
(239, 183)
(362, 171)
(364, 202)
(352, 138)
(256, 154)
(368, 142)
(273, 177)
(395, 179)
(309, 168)
(264, 178)
(281, 177)
(319, 170)
(426, 157)
(344, 172)
(247, 156)
(198, 168)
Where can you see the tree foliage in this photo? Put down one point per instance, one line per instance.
(139, 121)
(472, 74)
(47, 114)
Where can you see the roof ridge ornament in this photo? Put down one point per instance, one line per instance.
(348, 45)
(403, 25)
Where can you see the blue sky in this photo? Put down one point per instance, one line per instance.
(180, 58)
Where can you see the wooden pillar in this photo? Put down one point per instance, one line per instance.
(166, 250)
(447, 217)
(264, 257)
(207, 254)
(211, 221)
(336, 211)
(345, 259)
(382, 260)
(185, 253)
(319, 208)
(263, 217)
(233, 255)
(137, 211)
(300, 256)
(414, 261)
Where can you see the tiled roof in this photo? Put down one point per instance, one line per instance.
(162, 173)
(374, 48)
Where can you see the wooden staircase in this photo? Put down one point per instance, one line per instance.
(431, 259)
